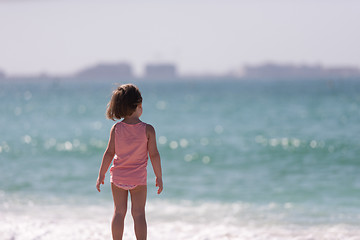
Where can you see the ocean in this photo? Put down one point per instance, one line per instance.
(260, 160)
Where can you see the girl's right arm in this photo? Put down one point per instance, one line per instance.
(107, 158)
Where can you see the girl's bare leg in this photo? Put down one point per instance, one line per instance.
(138, 200)
(120, 204)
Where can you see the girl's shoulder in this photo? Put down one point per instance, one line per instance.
(148, 125)
(150, 130)
(115, 125)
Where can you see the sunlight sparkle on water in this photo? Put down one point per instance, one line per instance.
(285, 142)
(76, 143)
(274, 142)
(162, 140)
(219, 129)
(27, 139)
(50, 143)
(313, 144)
(98, 143)
(295, 142)
(173, 145)
(188, 158)
(68, 146)
(27, 95)
(204, 141)
(161, 105)
(206, 159)
(184, 143)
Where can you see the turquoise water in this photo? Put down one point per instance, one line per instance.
(259, 152)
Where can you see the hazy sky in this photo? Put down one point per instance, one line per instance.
(199, 35)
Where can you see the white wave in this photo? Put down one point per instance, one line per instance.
(166, 220)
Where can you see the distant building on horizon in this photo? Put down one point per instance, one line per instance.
(106, 71)
(278, 71)
(160, 71)
(2, 75)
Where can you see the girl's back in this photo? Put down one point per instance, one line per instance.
(131, 154)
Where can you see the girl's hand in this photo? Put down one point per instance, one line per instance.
(159, 183)
(98, 182)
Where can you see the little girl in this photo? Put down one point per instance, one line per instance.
(130, 143)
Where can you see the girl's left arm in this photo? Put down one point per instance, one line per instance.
(107, 158)
(154, 156)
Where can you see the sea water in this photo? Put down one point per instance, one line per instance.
(241, 160)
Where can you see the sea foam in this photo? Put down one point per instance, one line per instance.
(166, 220)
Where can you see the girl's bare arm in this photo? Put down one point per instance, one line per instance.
(154, 156)
(107, 158)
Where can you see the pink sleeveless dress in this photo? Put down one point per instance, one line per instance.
(129, 168)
